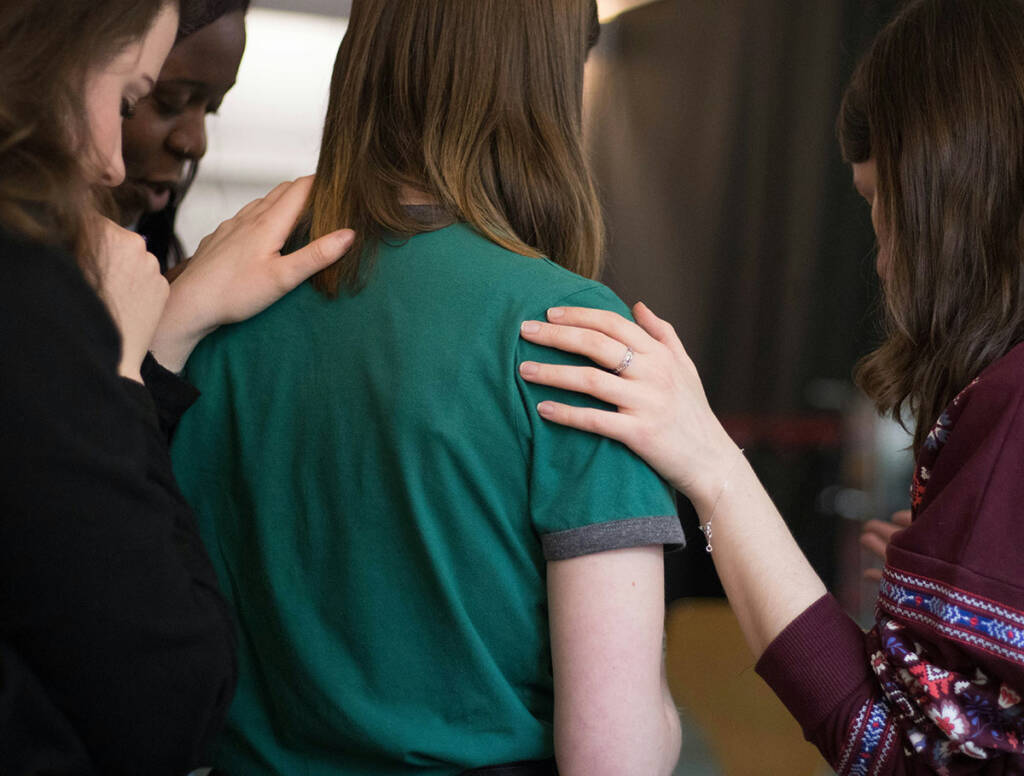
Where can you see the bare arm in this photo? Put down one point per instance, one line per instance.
(613, 711)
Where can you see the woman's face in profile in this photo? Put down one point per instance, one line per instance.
(169, 128)
(113, 90)
(865, 180)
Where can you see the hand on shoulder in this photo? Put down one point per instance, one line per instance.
(644, 370)
(238, 271)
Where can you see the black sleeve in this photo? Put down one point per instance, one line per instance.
(106, 593)
(171, 394)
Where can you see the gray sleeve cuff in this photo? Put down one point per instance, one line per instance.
(614, 535)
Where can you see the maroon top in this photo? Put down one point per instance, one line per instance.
(936, 686)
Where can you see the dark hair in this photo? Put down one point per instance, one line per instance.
(477, 103)
(196, 14)
(938, 104)
(46, 55)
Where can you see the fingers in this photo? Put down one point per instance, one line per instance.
(263, 202)
(606, 322)
(303, 263)
(598, 347)
(582, 379)
(609, 424)
(874, 544)
(903, 518)
(882, 528)
(286, 204)
(661, 330)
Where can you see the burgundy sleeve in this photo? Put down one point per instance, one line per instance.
(936, 686)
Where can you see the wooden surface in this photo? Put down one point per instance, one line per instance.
(711, 673)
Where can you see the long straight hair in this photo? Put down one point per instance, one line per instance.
(938, 104)
(475, 103)
(46, 54)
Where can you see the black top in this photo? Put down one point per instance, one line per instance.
(116, 647)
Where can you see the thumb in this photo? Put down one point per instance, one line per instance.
(317, 255)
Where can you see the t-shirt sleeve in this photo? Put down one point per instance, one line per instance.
(587, 493)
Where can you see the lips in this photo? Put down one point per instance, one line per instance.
(157, 194)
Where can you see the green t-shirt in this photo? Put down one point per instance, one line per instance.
(379, 497)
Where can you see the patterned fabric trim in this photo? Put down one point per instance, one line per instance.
(969, 619)
(870, 741)
(933, 444)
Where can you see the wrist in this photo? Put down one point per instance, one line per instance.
(182, 326)
(721, 466)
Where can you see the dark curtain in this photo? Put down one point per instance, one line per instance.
(731, 214)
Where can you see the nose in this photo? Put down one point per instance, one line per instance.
(112, 168)
(188, 138)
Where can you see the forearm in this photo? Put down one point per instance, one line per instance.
(768, 580)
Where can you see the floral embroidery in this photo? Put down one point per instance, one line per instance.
(949, 720)
(946, 714)
(933, 443)
(932, 680)
(1008, 697)
(940, 431)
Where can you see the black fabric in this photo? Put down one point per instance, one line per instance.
(161, 240)
(171, 394)
(114, 639)
(526, 768)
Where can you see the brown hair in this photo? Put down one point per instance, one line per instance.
(45, 58)
(475, 103)
(938, 104)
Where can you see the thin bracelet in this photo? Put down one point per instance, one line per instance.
(706, 528)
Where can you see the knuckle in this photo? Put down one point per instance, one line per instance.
(135, 242)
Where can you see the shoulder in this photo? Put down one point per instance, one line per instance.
(43, 293)
(523, 281)
(30, 270)
(1003, 378)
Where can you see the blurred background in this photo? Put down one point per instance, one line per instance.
(730, 213)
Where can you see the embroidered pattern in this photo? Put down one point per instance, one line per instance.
(870, 741)
(949, 711)
(953, 613)
(933, 443)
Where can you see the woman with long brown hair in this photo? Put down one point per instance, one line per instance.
(428, 579)
(116, 648)
(933, 126)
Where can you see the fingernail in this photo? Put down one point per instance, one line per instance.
(530, 327)
(546, 409)
(556, 312)
(527, 369)
(345, 238)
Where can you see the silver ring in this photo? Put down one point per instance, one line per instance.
(625, 362)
